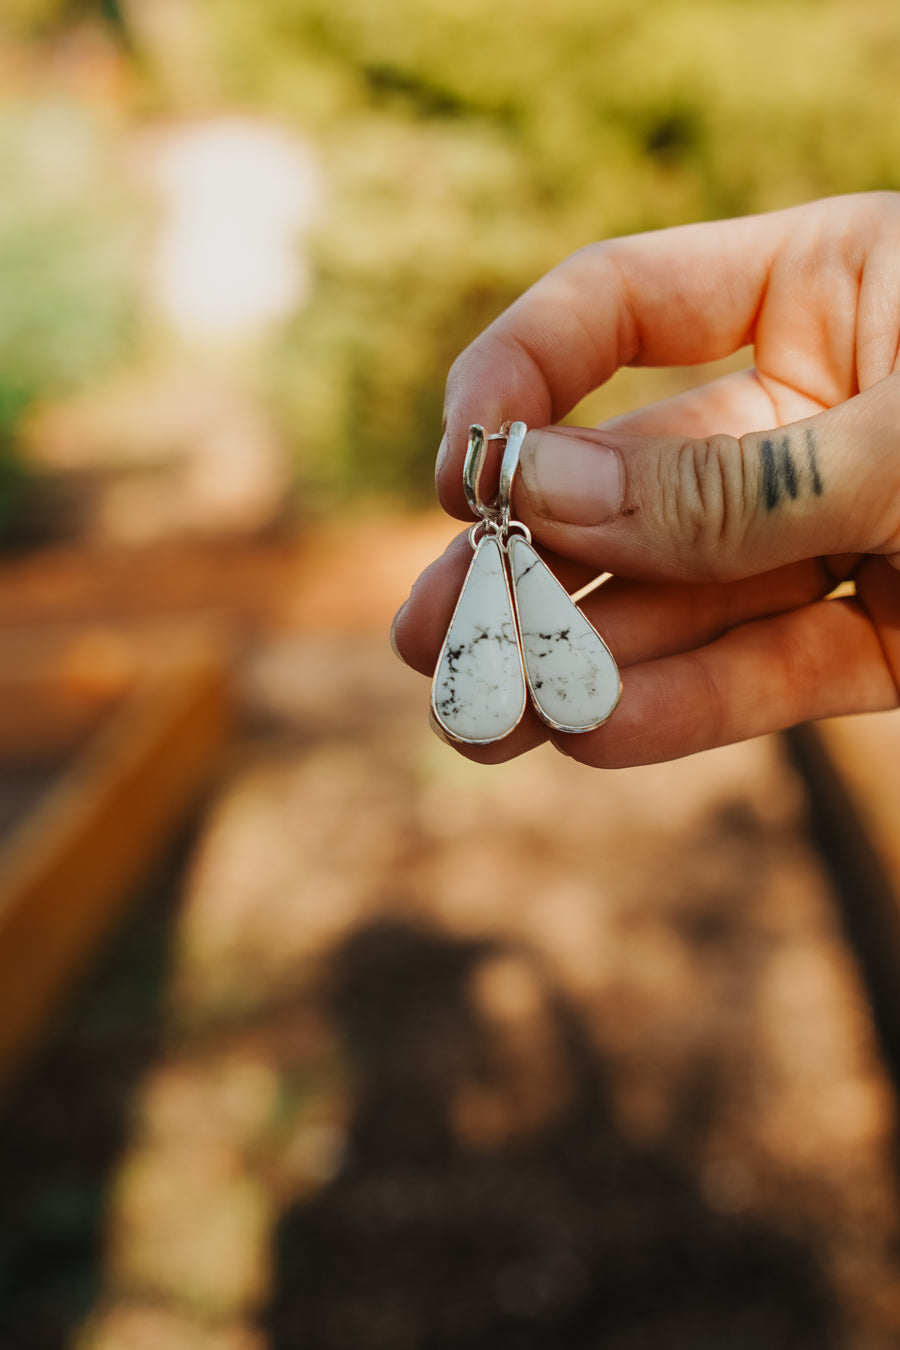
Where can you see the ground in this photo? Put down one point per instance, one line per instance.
(398, 1052)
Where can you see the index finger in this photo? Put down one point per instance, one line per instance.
(671, 297)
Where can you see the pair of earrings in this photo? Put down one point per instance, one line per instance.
(515, 634)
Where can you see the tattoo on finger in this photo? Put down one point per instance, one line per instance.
(784, 472)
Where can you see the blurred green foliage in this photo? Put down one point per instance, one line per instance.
(39, 18)
(66, 271)
(467, 147)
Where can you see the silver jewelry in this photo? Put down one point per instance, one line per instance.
(516, 632)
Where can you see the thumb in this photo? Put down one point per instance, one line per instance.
(720, 507)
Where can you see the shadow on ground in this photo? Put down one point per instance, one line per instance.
(64, 1126)
(467, 1216)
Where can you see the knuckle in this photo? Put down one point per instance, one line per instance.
(707, 491)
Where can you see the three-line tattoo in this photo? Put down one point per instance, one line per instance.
(786, 472)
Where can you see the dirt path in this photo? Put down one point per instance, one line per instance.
(404, 1053)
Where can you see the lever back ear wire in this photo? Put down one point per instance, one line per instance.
(515, 435)
(472, 468)
(496, 511)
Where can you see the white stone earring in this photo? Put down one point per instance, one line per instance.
(504, 639)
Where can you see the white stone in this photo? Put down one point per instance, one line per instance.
(572, 677)
(478, 694)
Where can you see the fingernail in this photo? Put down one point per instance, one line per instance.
(393, 635)
(441, 458)
(575, 481)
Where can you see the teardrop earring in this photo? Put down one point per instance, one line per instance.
(478, 692)
(502, 639)
(572, 677)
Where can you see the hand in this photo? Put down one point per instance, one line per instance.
(726, 514)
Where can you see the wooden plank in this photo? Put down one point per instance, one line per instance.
(58, 682)
(67, 871)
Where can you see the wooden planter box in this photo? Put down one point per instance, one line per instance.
(108, 735)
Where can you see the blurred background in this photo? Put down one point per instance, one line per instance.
(312, 1034)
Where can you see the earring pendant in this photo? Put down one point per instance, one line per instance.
(515, 631)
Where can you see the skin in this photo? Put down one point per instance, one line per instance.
(741, 505)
